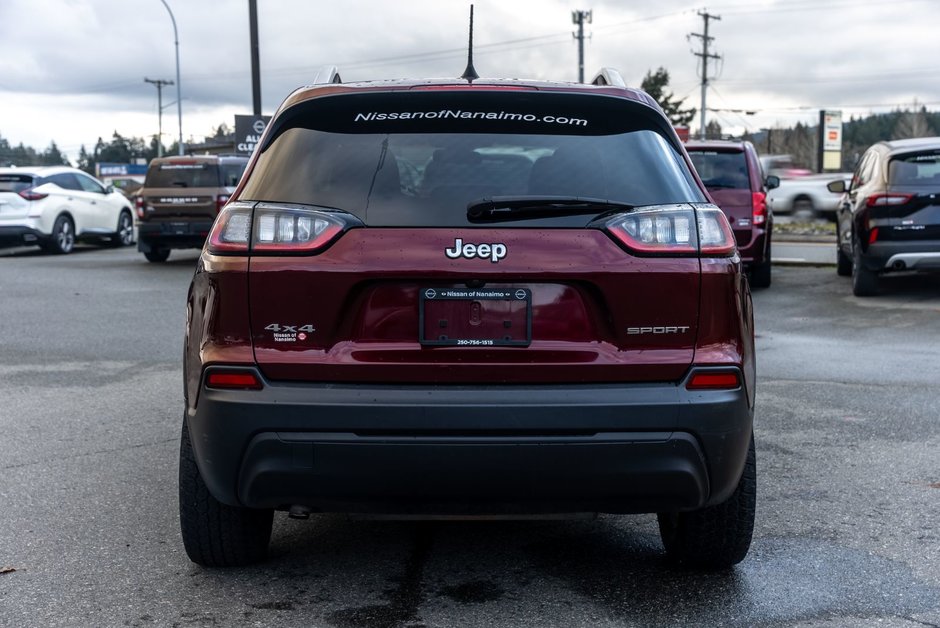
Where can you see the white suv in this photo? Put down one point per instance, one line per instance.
(52, 206)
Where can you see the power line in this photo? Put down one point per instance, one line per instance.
(749, 8)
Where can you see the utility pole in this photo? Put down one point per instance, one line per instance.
(255, 70)
(159, 83)
(578, 17)
(705, 55)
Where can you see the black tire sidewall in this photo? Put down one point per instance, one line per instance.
(118, 241)
(54, 245)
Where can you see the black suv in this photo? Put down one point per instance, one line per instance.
(180, 199)
(889, 217)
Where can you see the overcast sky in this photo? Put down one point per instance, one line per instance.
(72, 70)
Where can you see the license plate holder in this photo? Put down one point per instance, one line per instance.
(177, 228)
(475, 317)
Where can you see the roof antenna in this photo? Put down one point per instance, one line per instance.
(470, 73)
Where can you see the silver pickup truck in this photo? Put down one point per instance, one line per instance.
(807, 194)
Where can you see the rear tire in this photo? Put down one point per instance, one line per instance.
(719, 536)
(157, 256)
(760, 273)
(62, 239)
(124, 236)
(803, 205)
(864, 282)
(843, 263)
(216, 534)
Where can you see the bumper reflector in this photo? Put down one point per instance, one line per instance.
(713, 381)
(238, 380)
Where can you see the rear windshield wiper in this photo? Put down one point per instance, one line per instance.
(506, 208)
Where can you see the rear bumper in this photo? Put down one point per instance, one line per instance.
(471, 449)
(20, 234)
(172, 235)
(755, 251)
(903, 255)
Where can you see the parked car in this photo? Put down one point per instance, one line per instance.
(889, 219)
(807, 194)
(53, 206)
(732, 174)
(180, 199)
(552, 319)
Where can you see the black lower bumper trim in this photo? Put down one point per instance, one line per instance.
(171, 235)
(20, 235)
(879, 254)
(612, 472)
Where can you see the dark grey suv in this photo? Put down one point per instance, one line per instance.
(889, 217)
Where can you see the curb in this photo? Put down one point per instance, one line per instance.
(795, 263)
(828, 238)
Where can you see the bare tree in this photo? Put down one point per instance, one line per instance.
(912, 123)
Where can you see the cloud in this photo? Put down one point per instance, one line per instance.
(73, 70)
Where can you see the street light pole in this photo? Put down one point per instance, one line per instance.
(255, 63)
(179, 97)
(159, 83)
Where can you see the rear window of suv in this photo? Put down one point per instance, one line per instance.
(418, 159)
(922, 168)
(721, 169)
(15, 182)
(194, 174)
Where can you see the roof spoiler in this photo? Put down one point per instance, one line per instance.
(327, 74)
(608, 76)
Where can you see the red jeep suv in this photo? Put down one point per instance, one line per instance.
(450, 298)
(732, 175)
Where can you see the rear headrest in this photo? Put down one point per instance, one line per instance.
(904, 171)
(569, 171)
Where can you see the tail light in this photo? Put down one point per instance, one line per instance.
(31, 195)
(674, 231)
(290, 230)
(237, 380)
(231, 232)
(140, 206)
(714, 380)
(759, 208)
(220, 202)
(273, 229)
(883, 200)
(873, 235)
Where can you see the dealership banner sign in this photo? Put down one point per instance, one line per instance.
(248, 130)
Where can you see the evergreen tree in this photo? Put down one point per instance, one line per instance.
(713, 130)
(655, 84)
(85, 161)
(52, 157)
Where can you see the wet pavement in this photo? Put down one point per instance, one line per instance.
(848, 525)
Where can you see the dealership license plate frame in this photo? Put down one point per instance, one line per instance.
(441, 304)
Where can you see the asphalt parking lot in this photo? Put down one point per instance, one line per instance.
(848, 441)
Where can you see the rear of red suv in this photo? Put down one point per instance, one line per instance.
(731, 172)
(502, 298)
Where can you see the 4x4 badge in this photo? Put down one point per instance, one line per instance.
(494, 252)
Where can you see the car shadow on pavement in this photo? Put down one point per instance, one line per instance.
(385, 574)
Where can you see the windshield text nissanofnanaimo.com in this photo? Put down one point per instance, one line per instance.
(445, 114)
